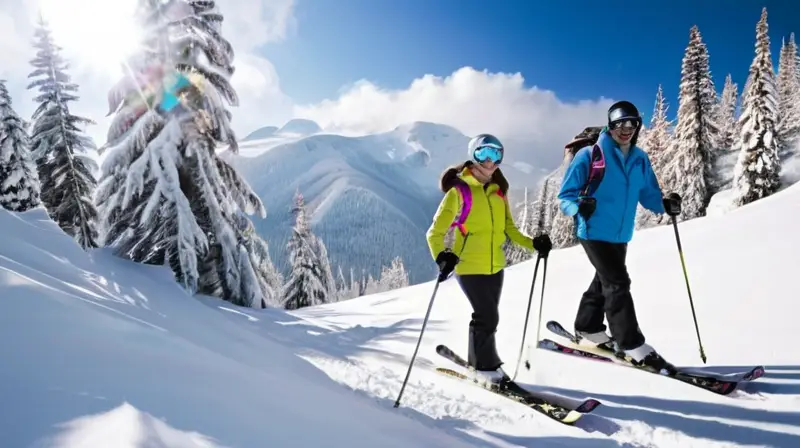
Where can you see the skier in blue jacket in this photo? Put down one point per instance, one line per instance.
(604, 210)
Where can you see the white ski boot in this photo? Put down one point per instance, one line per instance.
(491, 378)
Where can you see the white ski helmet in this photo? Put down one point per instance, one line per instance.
(483, 147)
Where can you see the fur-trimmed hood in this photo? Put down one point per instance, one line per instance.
(453, 175)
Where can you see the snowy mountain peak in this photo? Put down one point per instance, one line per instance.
(261, 133)
(423, 129)
(300, 126)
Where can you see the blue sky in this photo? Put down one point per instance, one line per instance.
(584, 51)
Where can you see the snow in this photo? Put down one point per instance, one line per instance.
(299, 126)
(261, 133)
(105, 352)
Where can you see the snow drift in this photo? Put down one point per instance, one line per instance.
(100, 352)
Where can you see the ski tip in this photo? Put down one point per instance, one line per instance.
(548, 344)
(588, 406)
(756, 373)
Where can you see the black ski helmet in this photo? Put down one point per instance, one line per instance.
(623, 110)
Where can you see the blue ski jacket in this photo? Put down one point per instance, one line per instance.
(628, 181)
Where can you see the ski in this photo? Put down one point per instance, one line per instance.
(561, 412)
(722, 384)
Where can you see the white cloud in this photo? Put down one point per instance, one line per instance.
(470, 100)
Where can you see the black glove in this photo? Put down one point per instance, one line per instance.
(586, 207)
(542, 244)
(447, 261)
(672, 204)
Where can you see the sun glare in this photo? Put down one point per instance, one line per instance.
(100, 34)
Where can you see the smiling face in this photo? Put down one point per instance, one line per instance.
(489, 166)
(622, 131)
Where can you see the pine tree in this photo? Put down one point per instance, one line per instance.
(306, 285)
(60, 148)
(657, 143)
(514, 253)
(727, 114)
(341, 285)
(325, 266)
(268, 276)
(757, 172)
(562, 227)
(788, 126)
(657, 138)
(165, 196)
(353, 289)
(689, 169)
(394, 276)
(19, 180)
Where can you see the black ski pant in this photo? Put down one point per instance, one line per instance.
(483, 292)
(609, 294)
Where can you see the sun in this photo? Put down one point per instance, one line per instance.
(99, 34)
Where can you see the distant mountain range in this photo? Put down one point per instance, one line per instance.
(371, 198)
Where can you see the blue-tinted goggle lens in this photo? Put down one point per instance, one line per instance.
(485, 153)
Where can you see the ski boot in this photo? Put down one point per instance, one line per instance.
(646, 358)
(494, 379)
(600, 340)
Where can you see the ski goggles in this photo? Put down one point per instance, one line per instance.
(488, 152)
(625, 123)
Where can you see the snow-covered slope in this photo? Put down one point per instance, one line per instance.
(99, 352)
(740, 266)
(373, 196)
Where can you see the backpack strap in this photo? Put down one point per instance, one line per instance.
(466, 200)
(597, 169)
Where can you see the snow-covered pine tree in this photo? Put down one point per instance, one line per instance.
(19, 180)
(658, 135)
(353, 288)
(307, 282)
(394, 276)
(561, 227)
(270, 279)
(757, 172)
(689, 169)
(325, 266)
(164, 193)
(726, 155)
(788, 127)
(657, 144)
(514, 253)
(341, 285)
(371, 285)
(727, 114)
(60, 149)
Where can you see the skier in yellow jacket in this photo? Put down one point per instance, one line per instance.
(475, 205)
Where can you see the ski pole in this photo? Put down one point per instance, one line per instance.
(527, 314)
(541, 307)
(688, 289)
(414, 356)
